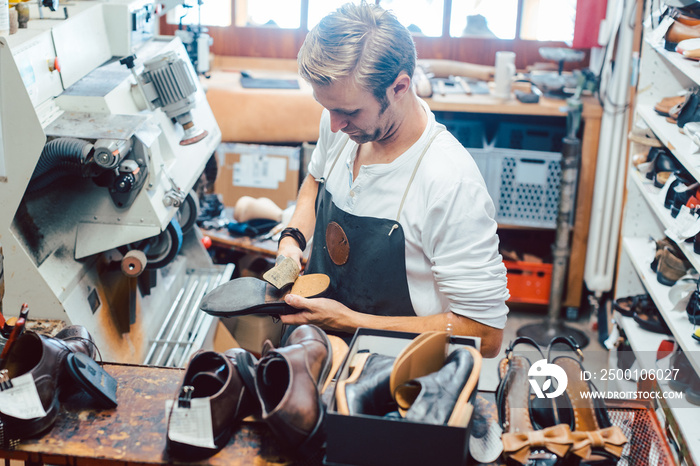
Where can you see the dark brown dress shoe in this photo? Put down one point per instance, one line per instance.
(288, 382)
(43, 357)
(212, 376)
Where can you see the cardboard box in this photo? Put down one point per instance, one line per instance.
(373, 440)
(258, 171)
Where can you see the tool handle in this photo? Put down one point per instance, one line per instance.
(17, 330)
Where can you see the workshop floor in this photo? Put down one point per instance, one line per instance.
(595, 355)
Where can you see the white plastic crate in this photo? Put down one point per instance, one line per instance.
(524, 186)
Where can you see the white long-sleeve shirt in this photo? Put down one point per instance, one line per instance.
(452, 258)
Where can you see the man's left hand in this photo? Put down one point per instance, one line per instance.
(323, 312)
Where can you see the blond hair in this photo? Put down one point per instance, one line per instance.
(362, 41)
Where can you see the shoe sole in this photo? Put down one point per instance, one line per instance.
(464, 407)
(250, 295)
(341, 399)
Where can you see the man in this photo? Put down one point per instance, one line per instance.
(400, 216)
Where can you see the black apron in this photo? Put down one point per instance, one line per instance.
(363, 256)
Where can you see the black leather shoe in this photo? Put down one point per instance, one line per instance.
(43, 357)
(367, 391)
(213, 376)
(443, 397)
(288, 381)
(250, 295)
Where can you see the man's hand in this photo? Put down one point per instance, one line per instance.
(323, 312)
(288, 247)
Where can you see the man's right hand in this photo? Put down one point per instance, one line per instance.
(288, 247)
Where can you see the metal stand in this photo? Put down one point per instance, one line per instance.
(571, 153)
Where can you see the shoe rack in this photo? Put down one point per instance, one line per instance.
(645, 219)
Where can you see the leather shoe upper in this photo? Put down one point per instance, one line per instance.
(432, 398)
(212, 375)
(287, 382)
(43, 357)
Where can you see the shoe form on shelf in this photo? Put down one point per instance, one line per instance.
(250, 295)
(596, 439)
(644, 136)
(44, 358)
(664, 106)
(213, 380)
(288, 383)
(445, 396)
(524, 440)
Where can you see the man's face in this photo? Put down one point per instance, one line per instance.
(354, 111)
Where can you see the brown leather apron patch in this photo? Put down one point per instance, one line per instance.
(337, 244)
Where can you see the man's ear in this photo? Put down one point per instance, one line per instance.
(400, 86)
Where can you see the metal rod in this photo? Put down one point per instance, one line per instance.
(188, 323)
(177, 321)
(225, 275)
(164, 325)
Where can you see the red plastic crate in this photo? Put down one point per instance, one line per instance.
(529, 282)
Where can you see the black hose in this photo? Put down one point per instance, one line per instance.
(60, 157)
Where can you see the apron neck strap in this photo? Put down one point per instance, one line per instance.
(338, 156)
(415, 170)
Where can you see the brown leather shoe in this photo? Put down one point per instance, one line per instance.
(43, 357)
(679, 32)
(288, 382)
(672, 266)
(213, 376)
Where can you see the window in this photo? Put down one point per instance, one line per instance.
(284, 14)
(213, 13)
(540, 20)
(484, 18)
(420, 17)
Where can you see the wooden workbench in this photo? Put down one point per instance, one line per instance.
(134, 433)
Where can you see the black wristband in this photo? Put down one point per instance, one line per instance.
(296, 234)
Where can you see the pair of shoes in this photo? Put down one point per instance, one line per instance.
(44, 359)
(250, 295)
(290, 381)
(214, 390)
(559, 426)
(629, 305)
(664, 106)
(422, 384)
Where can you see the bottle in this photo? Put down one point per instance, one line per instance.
(4, 18)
